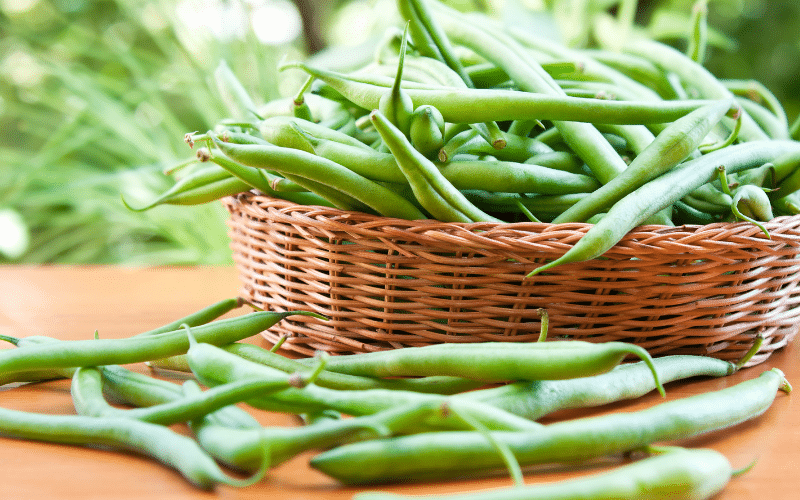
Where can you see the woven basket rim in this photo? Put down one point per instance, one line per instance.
(526, 236)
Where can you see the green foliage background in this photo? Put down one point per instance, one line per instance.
(96, 95)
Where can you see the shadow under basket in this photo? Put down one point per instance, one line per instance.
(389, 283)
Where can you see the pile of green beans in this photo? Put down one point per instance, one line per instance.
(468, 408)
(462, 119)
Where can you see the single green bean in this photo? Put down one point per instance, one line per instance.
(420, 456)
(199, 185)
(535, 399)
(87, 397)
(482, 105)
(494, 361)
(100, 352)
(427, 131)
(678, 473)
(170, 448)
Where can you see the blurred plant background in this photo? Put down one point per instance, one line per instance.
(96, 96)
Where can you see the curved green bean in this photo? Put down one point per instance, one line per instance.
(170, 448)
(100, 352)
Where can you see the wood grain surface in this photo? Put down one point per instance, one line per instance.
(73, 302)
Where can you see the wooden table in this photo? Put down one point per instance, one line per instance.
(73, 302)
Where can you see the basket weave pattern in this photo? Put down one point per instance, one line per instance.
(389, 283)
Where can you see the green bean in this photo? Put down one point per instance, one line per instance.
(420, 456)
(494, 361)
(687, 214)
(196, 185)
(752, 204)
(431, 189)
(535, 399)
(333, 380)
(698, 38)
(692, 474)
(100, 352)
(170, 448)
(419, 34)
(482, 105)
(278, 130)
(669, 148)
(638, 71)
(439, 38)
(663, 192)
(396, 104)
(427, 131)
(320, 170)
(512, 177)
(201, 317)
(517, 148)
(233, 93)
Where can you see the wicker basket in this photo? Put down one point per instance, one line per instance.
(388, 283)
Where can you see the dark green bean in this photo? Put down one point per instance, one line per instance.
(420, 456)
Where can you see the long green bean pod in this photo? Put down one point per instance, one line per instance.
(495, 361)
(537, 398)
(678, 473)
(99, 352)
(445, 454)
(172, 449)
(482, 105)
